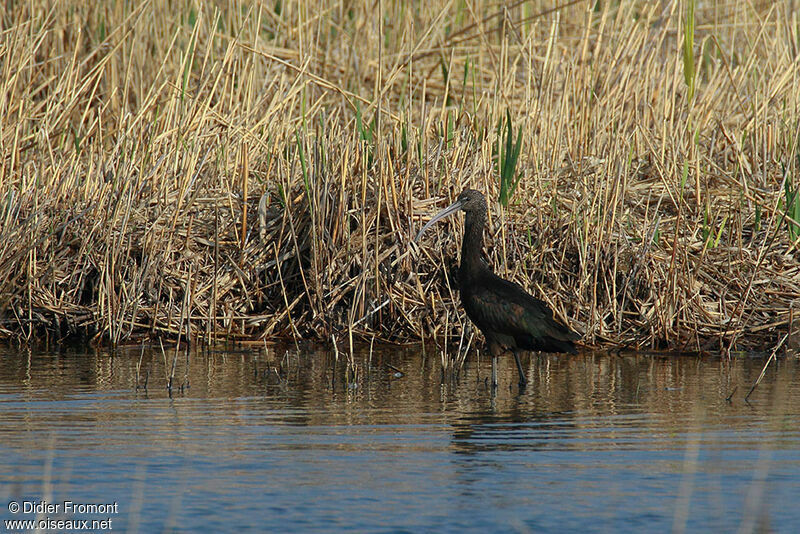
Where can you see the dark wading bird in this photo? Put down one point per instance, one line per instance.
(508, 316)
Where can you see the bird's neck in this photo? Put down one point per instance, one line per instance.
(471, 246)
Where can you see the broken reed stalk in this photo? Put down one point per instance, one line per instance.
(766, 364)
(645, 211)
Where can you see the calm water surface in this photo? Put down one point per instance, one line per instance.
(276, 440)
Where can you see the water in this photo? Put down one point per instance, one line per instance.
(277, 440)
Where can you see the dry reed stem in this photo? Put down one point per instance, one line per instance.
(260, 171)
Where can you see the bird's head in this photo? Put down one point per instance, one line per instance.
(470, 201)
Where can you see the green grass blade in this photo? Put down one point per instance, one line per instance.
(689, 71)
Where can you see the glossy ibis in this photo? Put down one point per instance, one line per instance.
(509, 317)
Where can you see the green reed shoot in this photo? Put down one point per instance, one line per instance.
(508, 157)
(792, 207)
(366, 133)
(363, 131)
(689, 71)
(303, 164)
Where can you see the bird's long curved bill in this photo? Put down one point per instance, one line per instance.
(449, 210)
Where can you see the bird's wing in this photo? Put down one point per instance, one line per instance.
(506, 308)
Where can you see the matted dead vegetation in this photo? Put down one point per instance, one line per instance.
(252, 170)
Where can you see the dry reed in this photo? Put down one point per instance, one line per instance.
(253, 170)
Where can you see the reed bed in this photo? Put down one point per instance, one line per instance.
(248, 171)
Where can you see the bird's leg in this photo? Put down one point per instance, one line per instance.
(494, 369)
(522, 380)
(496, 350)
